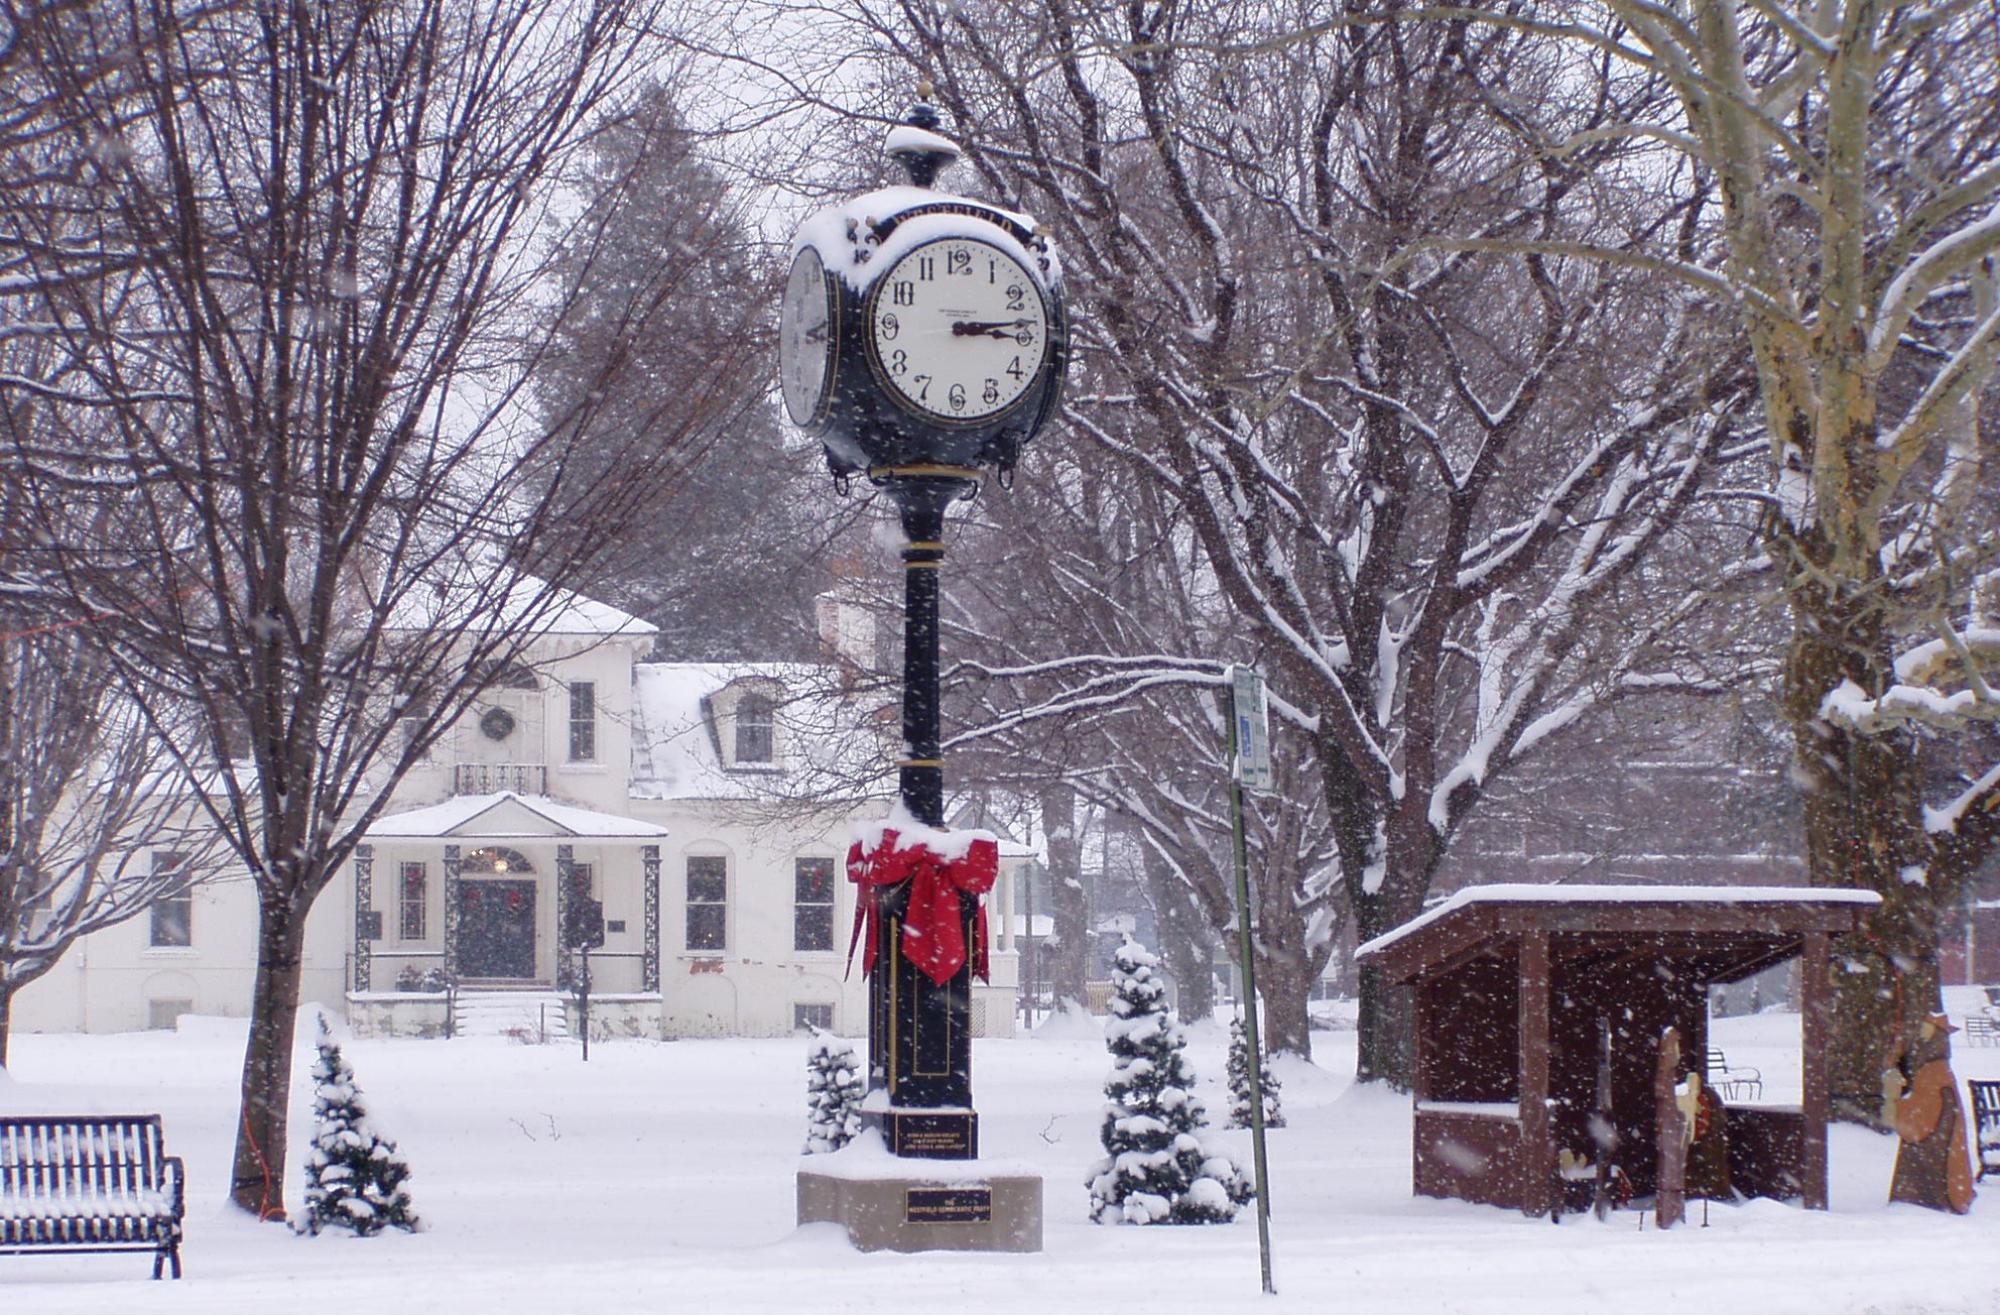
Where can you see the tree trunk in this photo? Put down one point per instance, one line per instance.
(257, 1180)
(1070, 965)
(1864, 829)
(1387, 1024)
(6, 1020)
(1286, 968)
(1184, 936)
(1284, 995)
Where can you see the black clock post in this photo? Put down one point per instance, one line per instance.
(920, 1031)
(924, 340)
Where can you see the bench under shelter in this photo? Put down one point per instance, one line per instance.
(1511, 982)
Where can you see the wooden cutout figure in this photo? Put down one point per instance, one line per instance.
(1920, 1101)
(1670, 1197)
(1708, 1148)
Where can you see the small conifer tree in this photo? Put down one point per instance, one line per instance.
(354, 1178)
(1239, 1085)
(834, 1090)
(1155, 1169)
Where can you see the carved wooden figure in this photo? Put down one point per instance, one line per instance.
(1920, 1100)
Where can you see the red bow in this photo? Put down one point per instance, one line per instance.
(933, 936)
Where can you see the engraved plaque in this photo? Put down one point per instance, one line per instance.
(948, 1205)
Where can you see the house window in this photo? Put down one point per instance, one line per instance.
(809, 1018)
(412, 898)
(753, 729)
(411, 726)
(582, 721)
(172, 914)
(707, 903)
(583, 879)
(812, 906)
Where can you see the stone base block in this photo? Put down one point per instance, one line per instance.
(1001, 1212)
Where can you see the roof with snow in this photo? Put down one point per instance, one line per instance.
(1743, 928)
(830, 739)
(510, 816)
(480, 595)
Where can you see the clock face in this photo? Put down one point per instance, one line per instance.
(806, 328)
(957, 330)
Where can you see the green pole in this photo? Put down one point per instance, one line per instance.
(1252, 1042)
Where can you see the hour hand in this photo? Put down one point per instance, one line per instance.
(985, 328)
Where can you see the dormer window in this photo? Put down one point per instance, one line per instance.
(754, 719)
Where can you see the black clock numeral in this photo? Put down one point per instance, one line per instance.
(992, 269)
(958, 262)
(922, 383)
(1025, 336)
(927, 268)
(1017, 297)
(903, 293)
(1014, 368)
(891, 326)
(899, 361)
(957, 397)
(992, 391)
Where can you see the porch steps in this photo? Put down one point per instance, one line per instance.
(524, 1015)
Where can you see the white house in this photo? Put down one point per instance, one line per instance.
(687, 800)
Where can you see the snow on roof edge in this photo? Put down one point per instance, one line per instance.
(1519, 893)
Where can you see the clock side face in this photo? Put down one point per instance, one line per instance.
(957, 330)
(806, 329)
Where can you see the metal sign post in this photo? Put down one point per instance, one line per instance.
(1250, 764)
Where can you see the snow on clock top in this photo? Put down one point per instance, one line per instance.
(861, 237)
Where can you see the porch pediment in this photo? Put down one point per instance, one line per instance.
(510, 816)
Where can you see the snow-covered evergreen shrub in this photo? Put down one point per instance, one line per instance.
(1156, 1169)
(1239, 1085)
(354, 1178)
(834, 1090)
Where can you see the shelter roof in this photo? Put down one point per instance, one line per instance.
(1716, 933)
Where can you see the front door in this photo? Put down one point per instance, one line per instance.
(496, 929)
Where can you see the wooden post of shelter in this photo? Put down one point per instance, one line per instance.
(1815, 1024)
(1537, 1148)
(1670, 1129)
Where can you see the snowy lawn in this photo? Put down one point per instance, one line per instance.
(659, 1177)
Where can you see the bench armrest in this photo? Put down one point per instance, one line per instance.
(176, 1183)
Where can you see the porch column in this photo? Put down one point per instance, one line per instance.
(1815, 1024)
(451, 899)
(650, 965)
(1537, 1157)
(565, 893)
(364, 904)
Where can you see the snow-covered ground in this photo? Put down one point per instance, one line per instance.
(659, 1177)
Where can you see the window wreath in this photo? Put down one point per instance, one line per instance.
(496, 723)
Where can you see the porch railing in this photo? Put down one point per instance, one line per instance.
(492, 778)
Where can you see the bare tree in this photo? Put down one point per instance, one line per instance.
(1424, 480)
(302, 386)
(1857, 151)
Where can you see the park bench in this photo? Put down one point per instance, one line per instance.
(1982, 1030)
(1986, 1124)
(1733, 1081)
(90, 1183)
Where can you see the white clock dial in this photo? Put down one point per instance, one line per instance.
(806, 328)
(957, 330)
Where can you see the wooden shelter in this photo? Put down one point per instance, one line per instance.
(1511, 983)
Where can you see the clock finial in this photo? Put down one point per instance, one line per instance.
(916, 143)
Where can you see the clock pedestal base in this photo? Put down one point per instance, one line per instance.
(889, 1204)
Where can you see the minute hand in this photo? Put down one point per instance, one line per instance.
(987, 328)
